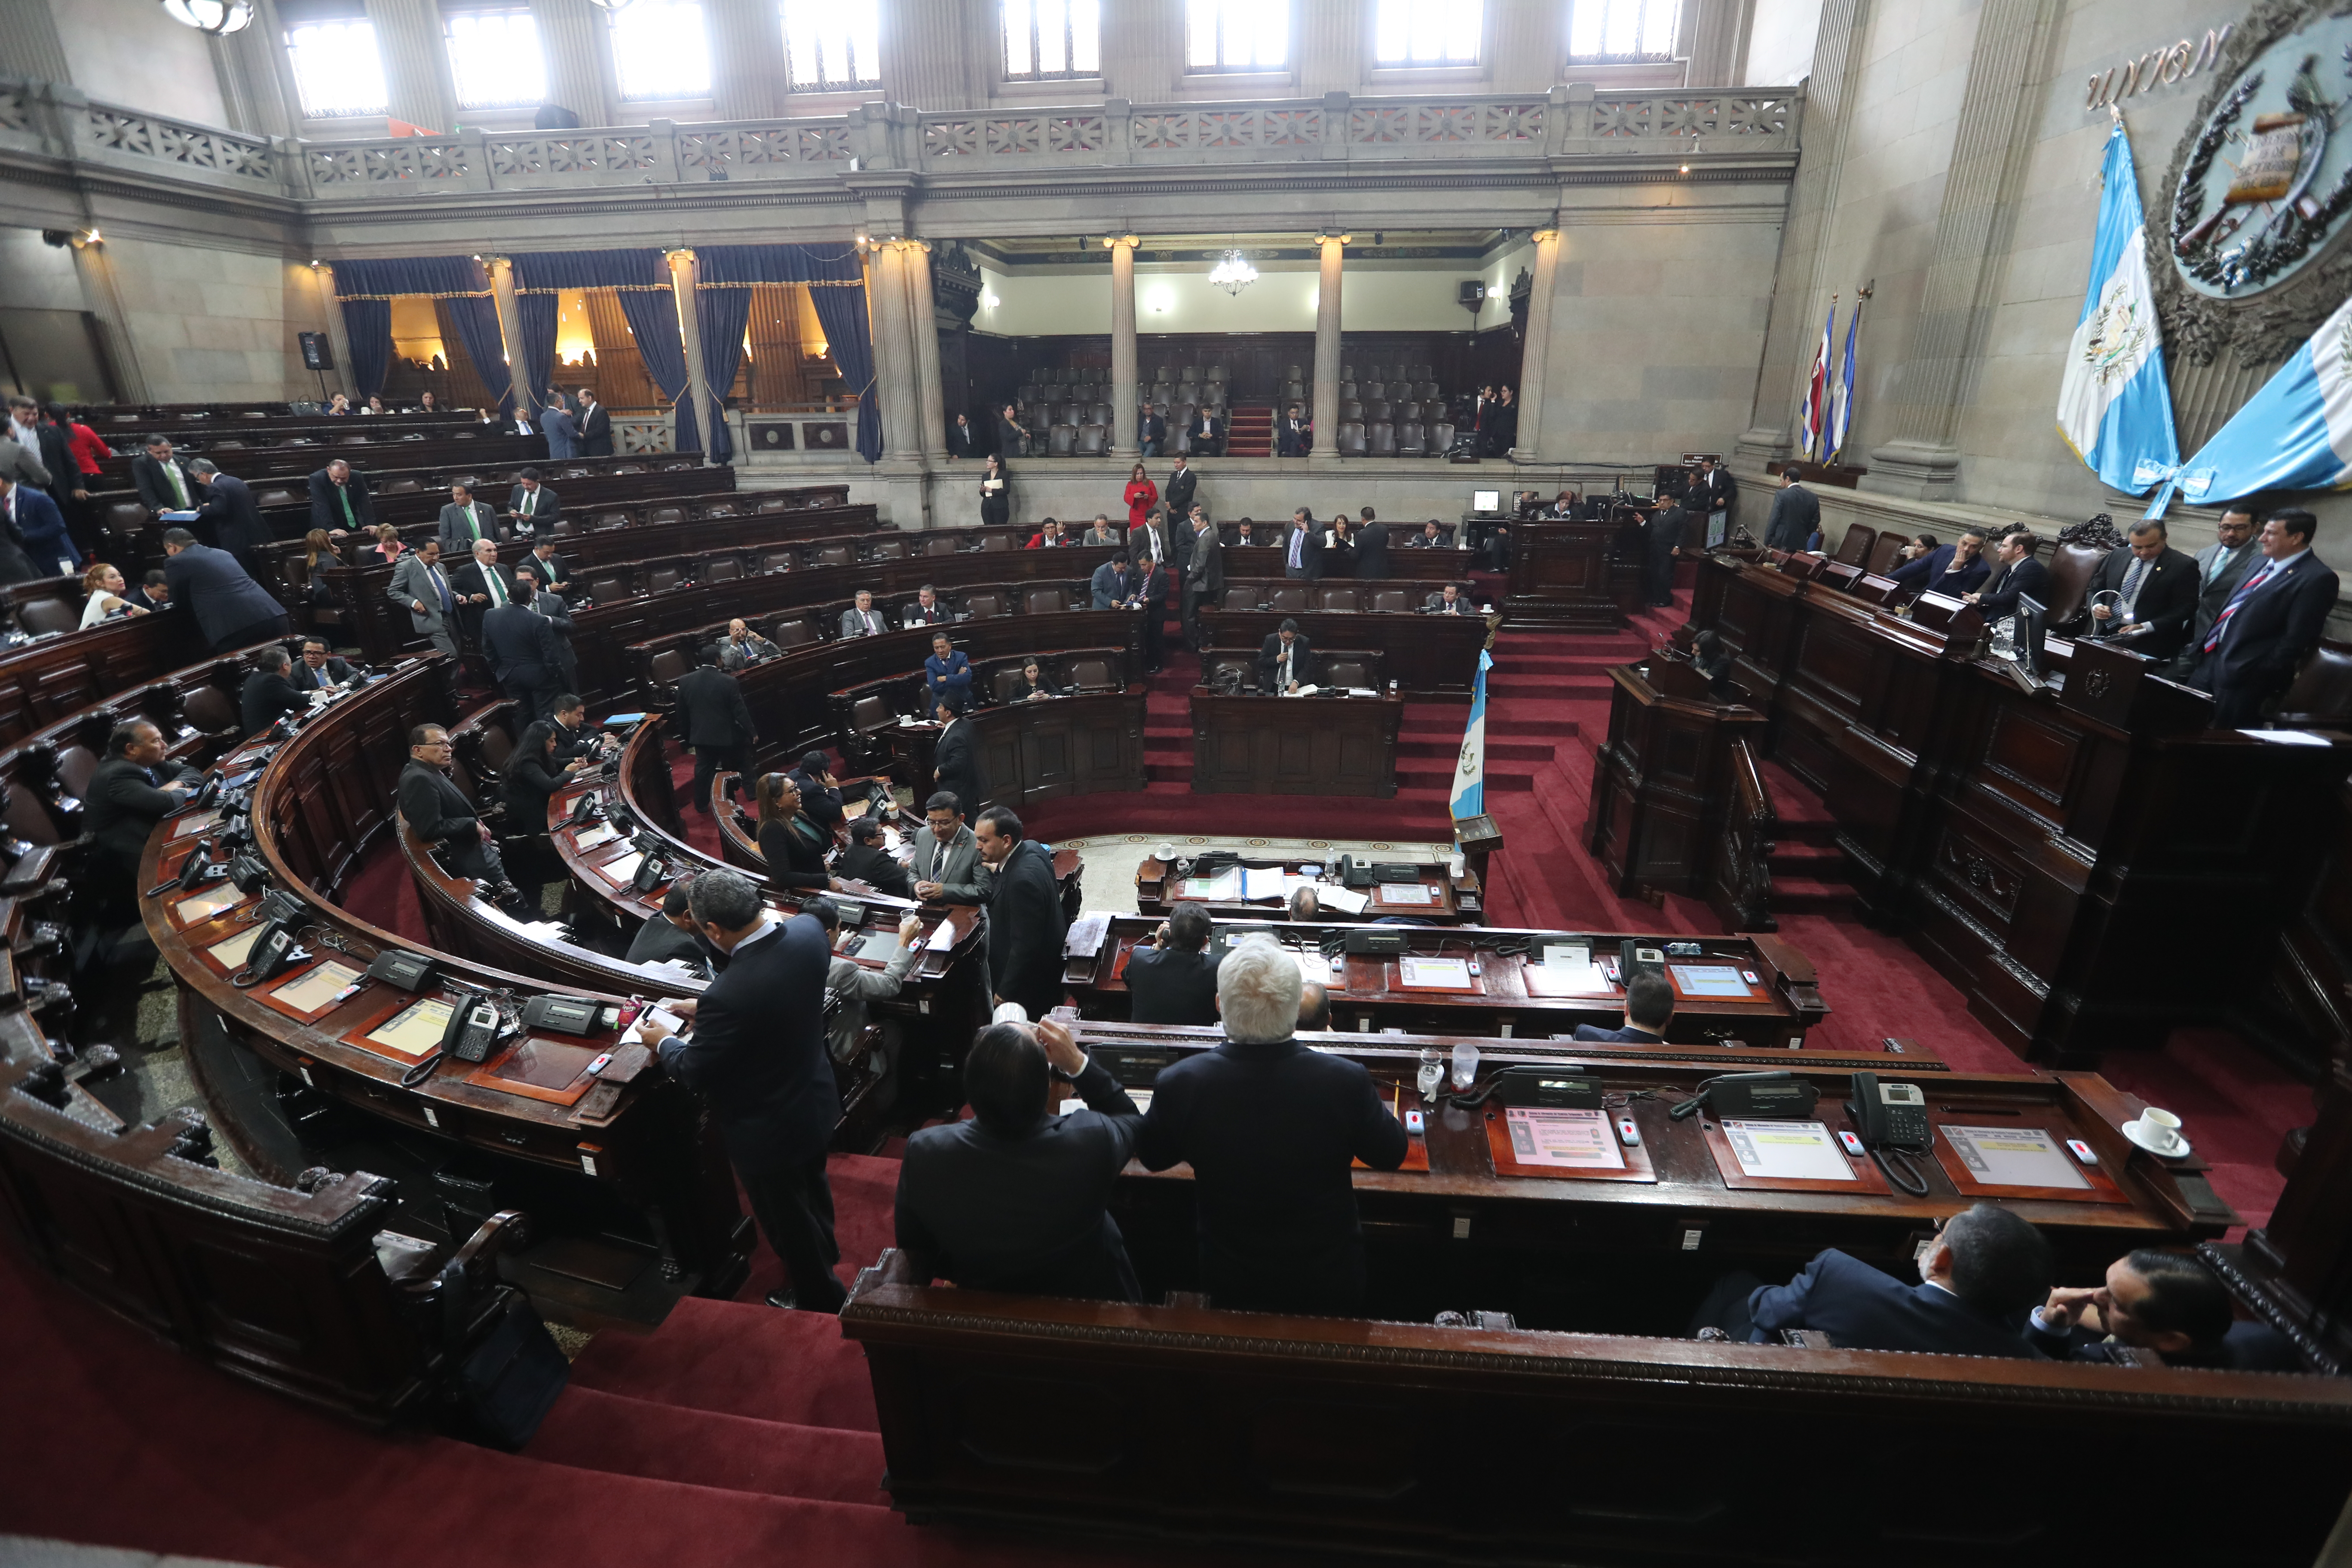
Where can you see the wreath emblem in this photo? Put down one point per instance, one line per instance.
(2117, 335)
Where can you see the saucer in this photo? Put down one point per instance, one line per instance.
(2139, 1134)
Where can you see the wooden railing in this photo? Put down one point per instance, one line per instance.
(1739, 876)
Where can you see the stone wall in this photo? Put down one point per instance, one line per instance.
(213, 325)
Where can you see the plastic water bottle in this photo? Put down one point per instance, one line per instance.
(1466, 1067)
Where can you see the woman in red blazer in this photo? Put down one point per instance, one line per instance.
(1142, 495)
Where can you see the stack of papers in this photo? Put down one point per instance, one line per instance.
(1225, 884)
(1347, 900)
(1263, 882)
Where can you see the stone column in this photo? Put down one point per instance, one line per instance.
(895, 371)
(31, 48)
(1327, 349)
(1126, 388)
(572, 34)
(415, 63)
(1534, 353)
(925, 61)
(503, 291)
(747, 56)
(681, 284)
(100, 292)
(923, 336)
(339, 341)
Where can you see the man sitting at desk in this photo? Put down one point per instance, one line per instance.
(1957, 569)
(864, 621)
(135, 788)
(856, 984)
(944, 859)
(2021, 575)
(1431, 537)
(2162, 1301)
(1983, 1269)
(438, 813)
(672, 934)
(268, 693)
(1272, 1128)
(1448, 601)
(1112, 584)
(866, 861)
(1649, 1006)
(743, 646)
(1286, 662)
(1018, 1198)
(1174, 981)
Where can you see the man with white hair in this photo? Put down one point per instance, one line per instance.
(1271, 1130)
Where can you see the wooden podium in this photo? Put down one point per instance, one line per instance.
(1566, 576)
(1677, 804)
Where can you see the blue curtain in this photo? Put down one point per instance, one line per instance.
(368, 324)
(538, 319)
(475, 317)
(721, 315)
(641, 278)
(837, 280)
(410, 275)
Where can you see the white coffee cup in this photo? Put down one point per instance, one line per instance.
(2162, 1128)
(1166, 854)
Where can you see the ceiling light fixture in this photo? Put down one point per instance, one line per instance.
(1232, 272)
(218, 17)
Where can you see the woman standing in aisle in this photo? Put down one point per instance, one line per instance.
(1142, 495)
(995, 494)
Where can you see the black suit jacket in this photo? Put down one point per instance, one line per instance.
(553, 570)
(1177, 493)
(873, 865)
(266, 694)
(155, 490)
(1026, 930)
(1164, 986)
(121, 805)
(327, 512)
(1861, 1308)
(306, 680)
(2167, 601)
(468, 580)
(1372, 549)
(522, 647)
(961, 769)
(435, 809)
(1796, 513)
(712, 710)
(757, 1051)
(1719, 492)
(1628, 1035)
(2028, 578)
(596, 433)
(1025, 1215)
(1306, 666)
(549, 506)
(219, 591)
(2278, 623)
(1270, 1131)
(232, 516)
(963, 441)
(1310, 553)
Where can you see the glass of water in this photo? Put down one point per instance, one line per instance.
(1466, 1067)
(1433, 1073)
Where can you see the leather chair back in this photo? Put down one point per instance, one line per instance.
(1289, 600)
(1345, 672)
(869, 715)
(720, 569)
(775, 503)
(270, 498)
(1379, 436)
(1092, 675)
(722, 509)
(936, 544)
(209, 709)
(887, 550)
(1240, 670)
(1859, 542)
(2069, 573)
(662, 579)
(1351, 439)
(995, 541)
(496, 746)
(39, 616)
(794, 631)
(75, 766)
(669, 666)
(1093, 440)
(1411, 441)
(662, 514)
(832, 555)
(605, 586)
(984, 604)
(1062, 441)
(1240, 599)
(1390, 600)
(1351, 408)
(2321, 697)
(1880, 559)
(1006, 682)
(605, 520)
(1338, 599)
(1044, 601)
(777, 560)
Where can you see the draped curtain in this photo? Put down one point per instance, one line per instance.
(640, 282)
(538, 313)
(722, 315)
(368, 324)
(475, 317)
(837, 284)
(367, 288)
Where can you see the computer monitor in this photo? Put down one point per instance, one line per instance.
(1485, 502)
(2028, 628)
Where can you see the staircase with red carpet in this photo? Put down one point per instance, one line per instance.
(1249, 432)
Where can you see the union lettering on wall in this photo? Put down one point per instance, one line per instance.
(2260, 190)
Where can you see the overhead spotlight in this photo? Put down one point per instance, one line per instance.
(1685, 168)
(218, 17)
(91, 239)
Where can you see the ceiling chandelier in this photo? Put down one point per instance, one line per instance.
(1232, 272)
(219, 17)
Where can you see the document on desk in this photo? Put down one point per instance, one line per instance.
(1574, 1140)
(2014, 1157)
(1347, 900)
(602, 834)
(1142, 1098)
(619, 870)
(313, 992)
(203, 906)
(230, 954)
(661, 1017)
(201, 822)
(1408, 893)
(1569, 955)
(1262, 882)
(1435, 974)
(1709, 980)
(1797, 1151)
(1225, 884)
(414, 1029)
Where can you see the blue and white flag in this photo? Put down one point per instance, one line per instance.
(2296, 434)
(1842, 410)
(1470, 774)
(1812, 417)
(2114, 407)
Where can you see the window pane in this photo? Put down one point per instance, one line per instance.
(1201, 34)
(1427, 32)
(660, 51)
(494, 60)
(1584, 20)
(800, 47)
(1085, 36)
(1273, 34)
(865, 42)
(1464, 21)
(1019, 60)
(1624, 29)
(831, 44)
(336, 67)
(1390, 46)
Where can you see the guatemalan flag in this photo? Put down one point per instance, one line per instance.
(1470, 775)
(2296, 434)
(2114, 407)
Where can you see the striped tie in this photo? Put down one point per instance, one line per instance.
(2222, 621)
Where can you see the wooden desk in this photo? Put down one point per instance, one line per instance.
(1570, 577)
(1427, 656)
(1293, 746)
(1452, 899)
(53, 678)
(1088, 744)
(1509, 997)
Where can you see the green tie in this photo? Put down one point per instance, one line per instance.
(474, 521)
(498, 589)
(179, 488)
(344, 495)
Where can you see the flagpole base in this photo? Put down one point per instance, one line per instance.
(1914, 471)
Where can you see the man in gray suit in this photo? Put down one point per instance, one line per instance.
(2220, 567)
(562, 431)
(864, 621)
(466, 520)
(944, 858)
(421, 584)
(1796, 513)
(1205, 575)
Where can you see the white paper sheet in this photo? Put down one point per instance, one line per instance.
(230, 954)
(1408, 893)
(315, 990)
(1225, 884)
(205, 905)
(1794, 1150)
(1347, 900)
(602, 834)
(1570, 1139)
(1454, 971)
(1709, 980)
(1262, 882)
(2014, 1157)
(414, 1029)
(202, 822)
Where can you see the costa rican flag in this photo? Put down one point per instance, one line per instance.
(1812, 420)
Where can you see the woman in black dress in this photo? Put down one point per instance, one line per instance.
(995, 494)
(533, 777)
(792, 843)
(1033, 685)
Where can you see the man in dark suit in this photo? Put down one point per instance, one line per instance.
(715, 722)
(1796, 513)
(1205, 575)
(963, 441)
(1649, 1007)
(573, 737)
(1018, 1198)
(2220, 567)
(318, 669)
(2160, 1302)
(1177, 494)
(2156, 589)
(128, 794)
(820, 791)
(232, 610)
(1302, 547)
(1206, 437)
(1271, 1130)
(1372, 546)
(525, 654)
(1025, 926)
(1294, 436)
(268, 693)
(1151, 431)
(757, 1053)
(37, 543)
(1151, 592)
(957, 766)
(562, 431)
(554, 572)
(339, 499)
(162, 479)
(672, 934)
(1958, 569)
(1660, 550)
(866, 861)
(481, 586)
(2260, 638)
(1502, 424)
(1286, 662)
(2019, 575)
(944, 858)
(231, 514)
(1448, 601)
(595, 426)
(1979, 1276)
(926, 610)
(1717, 496)
(533, 505)
(438, 813)
(1174, 981)
(1112, 584)
(1148, 541)
(465, 520)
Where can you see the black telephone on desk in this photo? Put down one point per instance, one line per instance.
(651, 874)
(473, 1028)
(192, 870)
(1892, 1119)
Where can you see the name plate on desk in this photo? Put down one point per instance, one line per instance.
(1787, 1156)
(1437, 975)
(1570, 1143)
